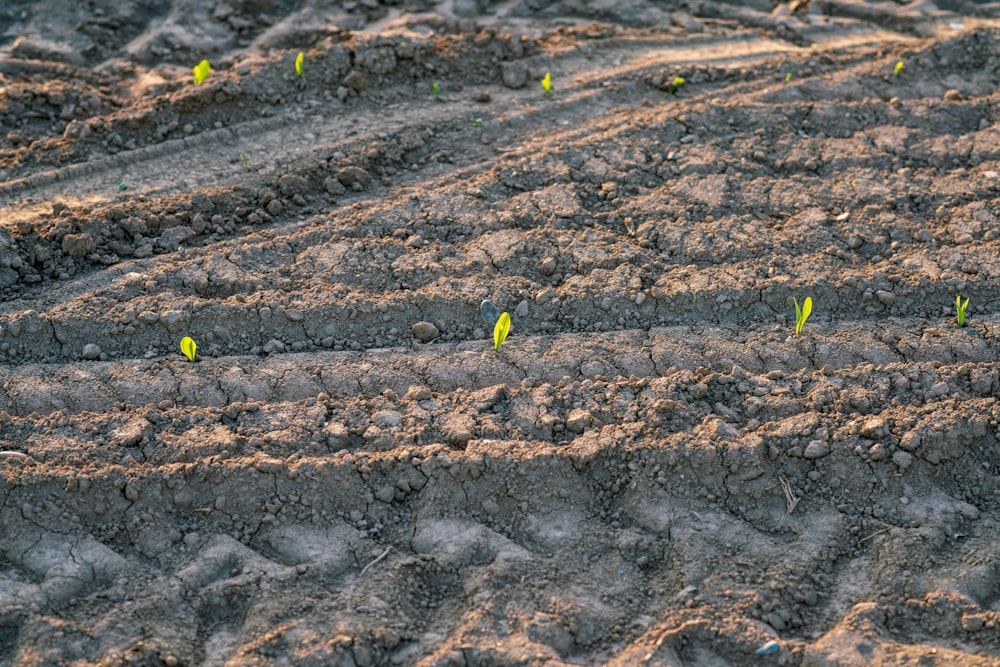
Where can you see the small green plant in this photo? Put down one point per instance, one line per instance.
(245, 161)
(897, 69)
(802, 314)
(189, 348)
(299, 59)
(121, 186)
(788, 77)
(547, 83)
(201, 72)
(436, 89)
(30, 102)
(675, 85)
(500, 330)
(478, 122)
(960, 310)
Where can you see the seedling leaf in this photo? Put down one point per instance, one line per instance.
(960, 310)
(436, 89)
(802, 314)
(501, 330)
(897, 69)
(788, 77)
(547, 83)
(189, 348)
(201, 72)
(675, 85)
(299, 59)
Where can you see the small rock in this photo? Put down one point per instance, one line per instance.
(387, 418)
(274, 346)
(351, 176)
(91, 351)
(816, 449)
(294, 315)
(269, 465)
(481, 96)
(578, 420)
(515, 74)
(425, 331)
(902, 459)
(386, 493)
(418, 392)
(275, 207)
(972, 623)
(78, 245)
(886, 298)
(910, 441)
(337, 435)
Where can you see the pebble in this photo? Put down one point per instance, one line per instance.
(816, 449)
(269, 465)
(294, 315)
(902, 459)
(91, 351)
(387, 418)
(425, 331)
(885, 297)
(578, 420)
(418, 392)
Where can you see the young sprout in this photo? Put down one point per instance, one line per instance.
(675, 85)
(299, 59)
(121, 186)
(547, 83)
(436, 89)
(245, 161)
(960, 310)
(501, 330)
(189, 348)
(802, 314)
(788, 77)
(897, 69)
(201, 72)
(478, 122)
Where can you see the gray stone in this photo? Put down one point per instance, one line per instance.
(816, 449)
(425, 331)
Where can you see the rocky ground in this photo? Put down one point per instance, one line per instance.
(653, 469)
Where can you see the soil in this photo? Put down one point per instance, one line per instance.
(653, 469)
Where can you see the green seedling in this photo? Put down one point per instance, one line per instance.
(547, 83)
(245, 161)
(30, 102)
(788, 77)
(299, 59)
(897, 69)
(478, 122)
(501, 330)
(436, 89)
(675, 85)
(201, 72)
(189, 348)
(960, 310)
(121, 186)
(802, 314)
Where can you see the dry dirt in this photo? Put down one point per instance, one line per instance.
(653, 470)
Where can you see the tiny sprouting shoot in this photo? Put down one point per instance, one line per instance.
(501, 330)
(436, 89)
(960, 310)
(897, 69)
(299, 59)
(189, 348)
(547, 83)
(201, 72)
(788, 77)
(802, 314)
(675, 85)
